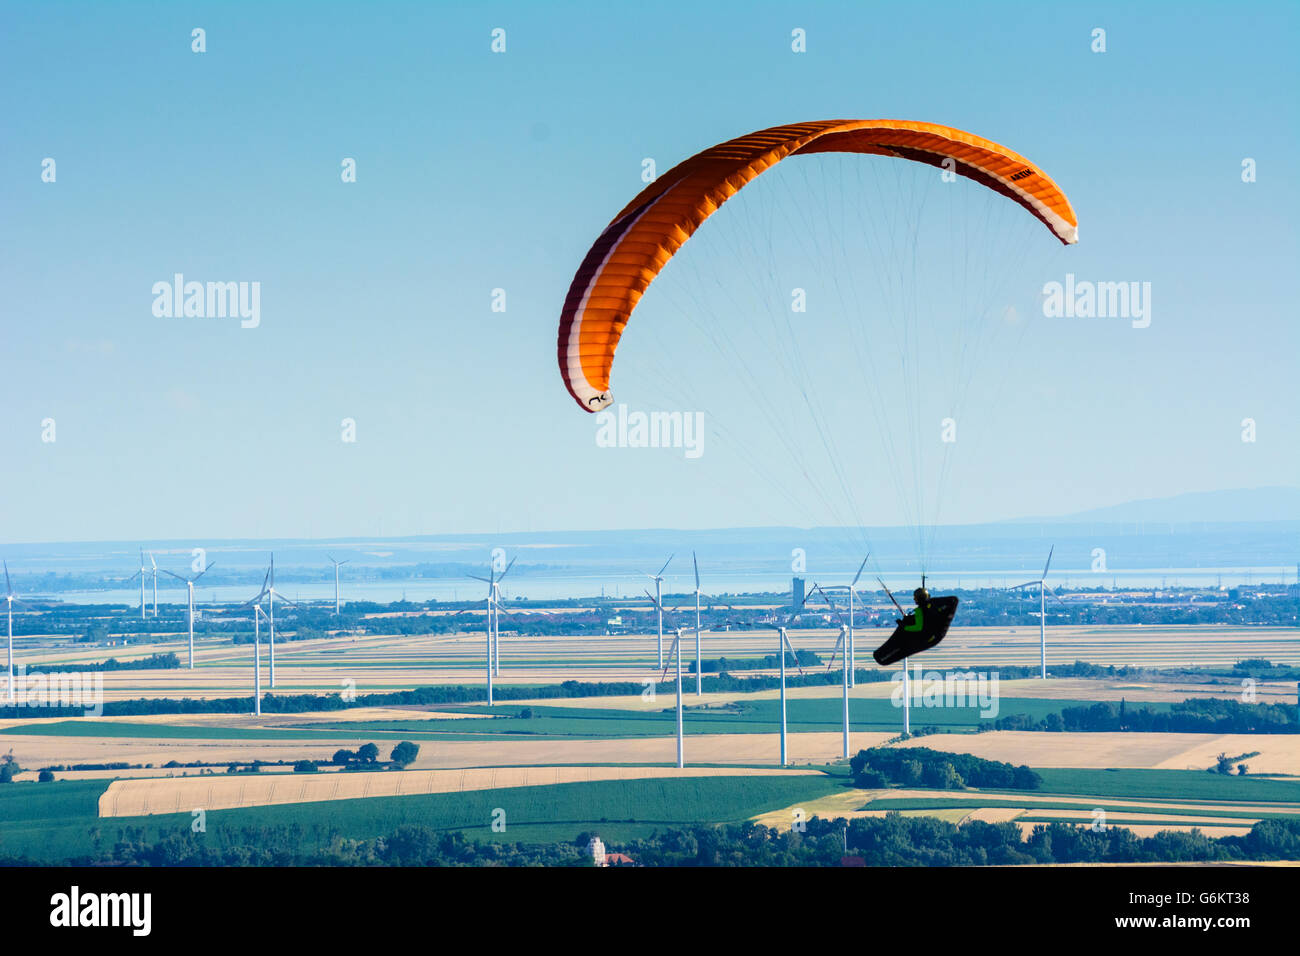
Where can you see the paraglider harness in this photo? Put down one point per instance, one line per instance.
(920, 630)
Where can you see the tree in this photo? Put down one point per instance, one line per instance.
(405, 753)
(342, 757)
(45, 776)
(368, 753)
(305, 766)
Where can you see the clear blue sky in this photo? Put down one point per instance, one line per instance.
(478, 171)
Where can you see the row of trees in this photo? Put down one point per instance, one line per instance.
(892, 840)
(922, 767)
(1215, 715)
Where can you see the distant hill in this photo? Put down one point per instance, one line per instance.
(1238, 504)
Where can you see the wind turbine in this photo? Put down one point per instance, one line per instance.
(1042, 611)
(699, 675)
(494, 619)
(907, 680)
(155, 583)
(11, 600)
(257, 660)
(851, 588)
(784, 644)
(140, 574)
(675, 652)
(189, 588)
(336, 564)
(659, 580)
(844, 642)
(269, 591)
(258, 614)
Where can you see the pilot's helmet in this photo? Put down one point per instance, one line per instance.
(920, 595)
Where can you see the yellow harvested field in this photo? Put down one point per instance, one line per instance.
(995, 814)
(246, 721)
(1151, 829)
(843, 804)
(1278, 753)
(375, 663)
(182, 795)
(37, 750)
(1118, 818)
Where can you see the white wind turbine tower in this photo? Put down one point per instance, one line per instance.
(907, 680)
(852, 647)
(659, 580)
(844, 643)
(337, 565)
(140, 574)
(1042, 611)
(258, 614)
(189, 589)
(784, 644)
(10, 600)
(155, 584)
(270, 593)
(494, 620)
(675, 653)
(699, 676)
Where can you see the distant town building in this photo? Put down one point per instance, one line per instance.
(797, 592)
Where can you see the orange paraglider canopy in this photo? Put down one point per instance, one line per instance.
(648, 231)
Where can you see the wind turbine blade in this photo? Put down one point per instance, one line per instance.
(891, 597)
(477, 578)
(255, 601)
(132, 577)
(205, 571)
(508, 567)
(1055, 595)
(654, 602)
(8, 587)
(832, 606)
(1049, 561)
(786, 637)
(152, 561)
(671, 650)
(1025, 585)
(176, 576)
(665, 567)
(861, 568)
(836, 651)
(697, 571)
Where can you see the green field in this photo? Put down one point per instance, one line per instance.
(804, 715)
(56, 821)
(1180, 785)
(974, 802)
